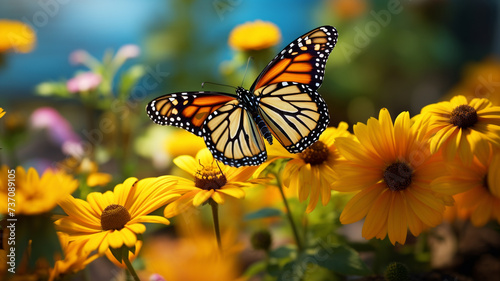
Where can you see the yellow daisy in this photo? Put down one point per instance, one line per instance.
(2, 112)
(311, 172)
(75, 257)
(391, 167)
(253, 36)
(211, 179)
(480, 184)
(463, 127)
(33, 194)
(16, 36)
(115, 218)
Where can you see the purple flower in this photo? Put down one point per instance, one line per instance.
(83, 82)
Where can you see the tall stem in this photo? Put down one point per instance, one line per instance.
(289, 213)
(130, 268)
(215, 216)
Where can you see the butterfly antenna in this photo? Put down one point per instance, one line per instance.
(217, 84)
(217, 162)
(246, 69)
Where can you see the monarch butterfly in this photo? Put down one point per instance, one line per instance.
(282, 102)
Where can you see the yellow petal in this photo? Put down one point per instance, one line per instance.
(397, 222)
(218, 198)
(234, 192)
(187, 163)
(201, 197)
(376, 217)
(360, 204)
(115, 239)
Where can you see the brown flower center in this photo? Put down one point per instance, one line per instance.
(397, 176)
(316, 154)
(208, 178)
(114, 217)
(464, 116)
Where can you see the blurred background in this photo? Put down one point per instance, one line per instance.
(401, 55)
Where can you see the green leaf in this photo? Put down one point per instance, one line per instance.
(294, 271)
(118, 253)
(264, 213)
(281, 252)
(255, 268)
(340, 259)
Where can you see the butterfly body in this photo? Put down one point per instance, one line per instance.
(282, 102)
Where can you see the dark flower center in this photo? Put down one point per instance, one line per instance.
(208, 178)
(463, 116)
(315, 154)
(114, 217)
(398, 176)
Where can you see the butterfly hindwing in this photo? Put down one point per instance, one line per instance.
(233, 137)
(302, 61)
(295, 114)
(186, 110)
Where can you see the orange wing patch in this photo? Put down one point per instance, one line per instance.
(297, 69)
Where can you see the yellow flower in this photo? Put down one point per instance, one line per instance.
(211, 179)
(115, 218)
(459, 126)
(196, 249)
(33, 194)
(311, 172)
(17, 36)
(181, 142)
(75, 257)
(391, 167)
(2, 112)
(88, 168)
(480, 184)
(253, 36)
(481, 81)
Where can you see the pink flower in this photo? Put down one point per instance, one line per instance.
(156, 277)
(128, 52)
(83, 82)
(78, 57)
(58, 128)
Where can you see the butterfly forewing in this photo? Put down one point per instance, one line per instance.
(295, 114)
(302, 61)
(233, 137)
(187, 110)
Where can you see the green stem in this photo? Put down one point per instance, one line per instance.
(289, 214)
(215, 215)
(130, 268)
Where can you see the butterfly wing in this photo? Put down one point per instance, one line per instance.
(233, 137)
(186, 110)
(295, 114)
(302, 61)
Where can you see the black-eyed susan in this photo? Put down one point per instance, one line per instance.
(311, 172)
(2, 112)
(33, 194)
(210, 180)
(75, 257)
(463, 127)
(479, 184)
(254, 36)
(115, 218)
(16, 36)
(391, 167)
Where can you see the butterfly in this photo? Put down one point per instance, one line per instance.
(282, 102)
